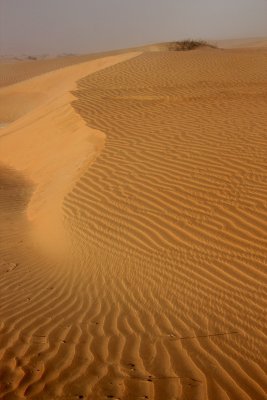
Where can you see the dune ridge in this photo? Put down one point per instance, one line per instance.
(164, 292)
(176, 200)
(13, 70)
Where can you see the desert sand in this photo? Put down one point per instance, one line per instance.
(248, 43)
(13, 70)
(133, 243)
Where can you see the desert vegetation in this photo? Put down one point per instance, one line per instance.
(188, 44)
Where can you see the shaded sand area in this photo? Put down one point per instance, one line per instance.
(133, 254)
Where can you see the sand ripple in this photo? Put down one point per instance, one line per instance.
(165, 296)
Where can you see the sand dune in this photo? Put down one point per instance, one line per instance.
(243, 43)
(155, 189)
(15, 70)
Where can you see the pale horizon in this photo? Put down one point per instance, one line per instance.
(65, 26)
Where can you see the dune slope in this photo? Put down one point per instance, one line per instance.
(164, 291)
(175, 204)
(13, 71)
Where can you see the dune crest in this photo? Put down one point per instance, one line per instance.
(171, 219)
(46, 139)
(157, 171)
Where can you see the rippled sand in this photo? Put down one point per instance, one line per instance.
(135, 229)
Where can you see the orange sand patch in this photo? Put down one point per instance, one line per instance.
(150, 178)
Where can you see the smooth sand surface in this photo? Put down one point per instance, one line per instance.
(134, 215)
(16, 70)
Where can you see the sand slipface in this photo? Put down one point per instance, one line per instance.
(151, 176)
(13, 70)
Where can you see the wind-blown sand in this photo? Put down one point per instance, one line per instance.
(134, 215)
(16, 70)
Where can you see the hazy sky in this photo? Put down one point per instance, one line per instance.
(58, 26)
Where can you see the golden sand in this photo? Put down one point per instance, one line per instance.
(150, 175)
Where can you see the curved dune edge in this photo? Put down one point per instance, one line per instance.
(164, 298)
(48, 141)
(171, 220)
(13, 70)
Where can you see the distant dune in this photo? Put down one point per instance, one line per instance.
(134, 226)
(243, 43)
(15, 70)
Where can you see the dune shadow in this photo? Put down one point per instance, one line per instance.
(15, 191)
